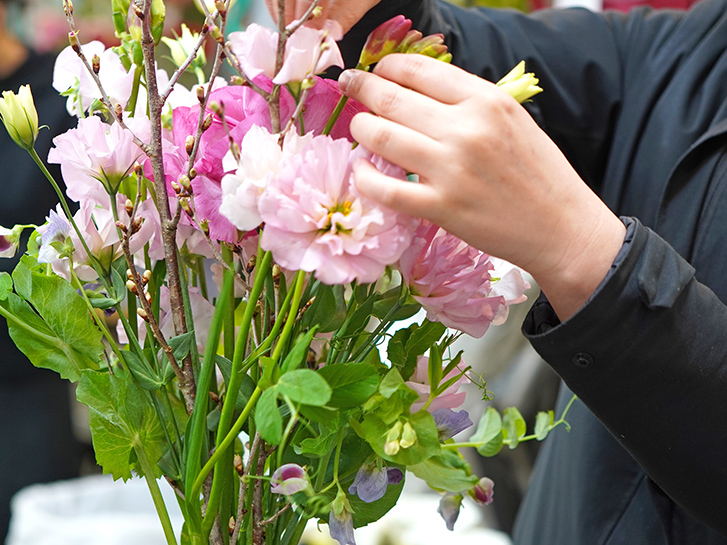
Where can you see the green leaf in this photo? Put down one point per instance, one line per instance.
(352, 383)
(385, 303)
(121, 418)
(62, 335)
(328, 310)
(143, 373)
(361, 316)
(489, 433)
(446, 471)
(543, 423)
(434, 369)
(182, 345)
(6, 285)
(247, 386)
(158, 14)
(391, 383)
(305, 386)
(424, 336)
(513, 425)
(407, 344)
(267, 417)
(299, 354)
(318, 446)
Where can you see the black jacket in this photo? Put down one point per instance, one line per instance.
(638, 103)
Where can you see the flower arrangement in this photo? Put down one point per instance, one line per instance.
(222, 289)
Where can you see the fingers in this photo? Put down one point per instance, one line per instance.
(409, 198)
(401, 145)
(391, 101)
(436, 79)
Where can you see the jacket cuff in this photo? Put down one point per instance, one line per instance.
(647, 276)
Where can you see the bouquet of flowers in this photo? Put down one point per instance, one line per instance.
(221, 292)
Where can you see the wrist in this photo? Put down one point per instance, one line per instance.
(583, 261)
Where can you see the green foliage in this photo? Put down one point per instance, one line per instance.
(6, 285)
(50, 323)
(121, 420)
(446, 471)
(304, 386)
(352, 384)
(407, 344)
(489, 433)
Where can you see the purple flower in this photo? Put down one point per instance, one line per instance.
(371, 481)
(449, 423)
(340, 520)
(384, 40)
(289, 479)
(483, 491)
(9, 240)
(449, 509)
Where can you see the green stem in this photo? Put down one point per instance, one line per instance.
(292, 315)
(156, 494)
(94, 262)
(131, 106)
(226, 442)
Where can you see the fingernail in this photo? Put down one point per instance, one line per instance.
(344, 79)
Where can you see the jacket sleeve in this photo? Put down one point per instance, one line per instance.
(585, 61)
(648, 355)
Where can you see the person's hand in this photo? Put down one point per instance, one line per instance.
(346, 12)
(487, 173)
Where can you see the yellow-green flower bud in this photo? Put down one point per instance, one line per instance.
(183, 45)
(408, 436)
(391, 443)
(20, 117)
(518, 84)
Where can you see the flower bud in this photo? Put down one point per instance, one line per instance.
(220, 7)
(431, 46)
(73, 41)
(410, 39)
(236, 80)
(192, 173)
(129, 206)
(204, 225)
(189, 144)
(290, 479)
(96, 64)
(131, 286)
(68, 7)
(20, 117)
(186, 183)
(384, 39)
(518, 84)
(146, 277)
(391, 443)
(483, 491)
(231, 525)
(217, 34)
(200, 93)
(449, 507)
(207, 123)
(408, 436)
(142, 313)
(9, 241)
(239, 467)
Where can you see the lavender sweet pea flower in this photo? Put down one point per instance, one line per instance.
(340, 520)
(371, 481)
(449, 423)
(289, 479)
(449, 509)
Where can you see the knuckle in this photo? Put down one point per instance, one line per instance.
(387, 102)
(380, 139)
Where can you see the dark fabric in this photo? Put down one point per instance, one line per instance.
(637, 104)
(36, 441)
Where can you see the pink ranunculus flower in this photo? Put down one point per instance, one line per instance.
(96, 156)
(453, 281)
(70, 73)
(308, 51)
(260, 160)
(451, 398)
(316, 221)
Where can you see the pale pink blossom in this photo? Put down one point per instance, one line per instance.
(452, 281)
(509, 283)
(260, 160)
(451, 398)
(96, 156)
(316, 221)
(308, 51)
(69, 73)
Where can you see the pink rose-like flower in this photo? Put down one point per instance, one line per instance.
(451, 398)
(316, 221)
(260, 160)
(69, 72)
(308, 51)
(96, 154)
(453, 281)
